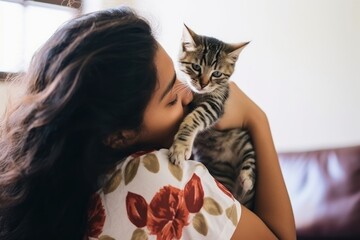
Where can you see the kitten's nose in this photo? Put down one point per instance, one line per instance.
(203, 83)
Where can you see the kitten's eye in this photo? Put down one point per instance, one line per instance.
(196, 67)
(216, 74)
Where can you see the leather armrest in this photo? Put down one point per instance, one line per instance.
(324, 188)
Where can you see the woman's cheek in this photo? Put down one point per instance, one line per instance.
(178, 115)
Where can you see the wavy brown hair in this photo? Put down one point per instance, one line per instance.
(93, 77)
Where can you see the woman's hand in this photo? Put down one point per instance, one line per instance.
(240, 111)
(272, 214)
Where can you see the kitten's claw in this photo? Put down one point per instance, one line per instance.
(179, 153)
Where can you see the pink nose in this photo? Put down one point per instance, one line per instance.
(203, 83)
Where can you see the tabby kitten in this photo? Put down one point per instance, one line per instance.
(208, 64)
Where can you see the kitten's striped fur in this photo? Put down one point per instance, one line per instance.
(230, 158)
(208, 64)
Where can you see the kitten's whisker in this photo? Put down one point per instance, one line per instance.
(188, 91)
(182, 87)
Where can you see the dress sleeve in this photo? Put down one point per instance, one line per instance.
(148, 197)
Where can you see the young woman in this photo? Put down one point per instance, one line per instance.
(98, 92)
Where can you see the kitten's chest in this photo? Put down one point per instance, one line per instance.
(221, 145)
(219, 95)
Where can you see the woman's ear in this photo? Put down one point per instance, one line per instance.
(121, 139)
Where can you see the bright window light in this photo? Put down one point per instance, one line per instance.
(41, 22)
(24, 28)
(11, 36)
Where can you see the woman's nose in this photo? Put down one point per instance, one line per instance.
(187, 96)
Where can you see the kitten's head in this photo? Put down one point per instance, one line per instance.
(207, 62)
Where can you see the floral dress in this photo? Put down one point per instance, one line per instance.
(147, 197)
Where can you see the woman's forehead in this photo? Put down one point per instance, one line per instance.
(165, 69)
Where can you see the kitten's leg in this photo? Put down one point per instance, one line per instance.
(182, 146)
(246, 181)
(195, 122)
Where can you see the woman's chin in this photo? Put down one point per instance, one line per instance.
(167, 144)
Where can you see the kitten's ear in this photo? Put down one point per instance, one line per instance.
(189, 39)
(235, 50)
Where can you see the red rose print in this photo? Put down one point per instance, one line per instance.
(224, 189)
(96, 216)
(136, 208)
(194, 194)
(167, 214)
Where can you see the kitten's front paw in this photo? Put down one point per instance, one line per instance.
(179, 153)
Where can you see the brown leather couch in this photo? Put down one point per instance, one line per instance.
(324, 188)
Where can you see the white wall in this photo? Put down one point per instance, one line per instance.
(302, 66)
(3, 96)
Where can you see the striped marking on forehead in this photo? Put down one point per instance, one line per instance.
(212, 49)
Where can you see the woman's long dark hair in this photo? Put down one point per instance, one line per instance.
(93, 77)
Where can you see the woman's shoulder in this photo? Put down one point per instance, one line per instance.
(152, 169)
(157, 196)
